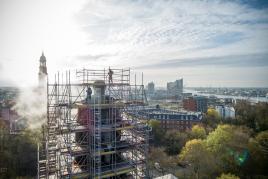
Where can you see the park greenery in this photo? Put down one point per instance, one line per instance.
(18, 153)
(216, 148)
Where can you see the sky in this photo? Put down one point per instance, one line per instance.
(208, 43)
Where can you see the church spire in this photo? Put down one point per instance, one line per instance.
(42, 70)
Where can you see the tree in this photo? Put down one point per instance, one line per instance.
(262, 116)
(157, 132)
(258, 158)
(262, 142)
(212, 113)
(199, 159)
(198, 132)
(229, 144)
(253, 116)
(224, 150)
(18, 153)
(228, 176)
(158, 157)
(212, 118)
(174, 141)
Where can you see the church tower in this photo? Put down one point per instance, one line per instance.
(42, 75)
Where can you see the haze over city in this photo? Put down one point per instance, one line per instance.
(208, 43)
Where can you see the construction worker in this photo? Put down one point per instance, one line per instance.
(110, 74)
(89, 93)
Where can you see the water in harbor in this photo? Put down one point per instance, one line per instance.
(251, 99)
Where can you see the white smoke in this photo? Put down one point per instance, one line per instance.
(31, 106)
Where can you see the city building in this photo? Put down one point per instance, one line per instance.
(12, 120)
(189, 104)
(42, 75)
(171, 120)
(201, 103)
(229, 101)
(186, 95)
(213, 101)
(196, 103)
(150, 89)
(175, 89)
(159, 94)
(225, 111)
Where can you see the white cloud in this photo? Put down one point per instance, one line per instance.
(168, 27)
(151, 32)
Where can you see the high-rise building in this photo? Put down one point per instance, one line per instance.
(175, 88)
(201, 103)
(151, 88)
(196, 103)
(42, 75)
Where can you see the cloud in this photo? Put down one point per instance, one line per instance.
(90, 57)
(253, 60)
(133, 33)
(173, 28)
(189, 36)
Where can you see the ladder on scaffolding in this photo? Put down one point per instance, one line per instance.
(97, 118)
(51, 141)
(41, 156)
(47, 153)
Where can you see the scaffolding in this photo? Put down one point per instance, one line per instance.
(90, 133)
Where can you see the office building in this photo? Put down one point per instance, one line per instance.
(175, 89)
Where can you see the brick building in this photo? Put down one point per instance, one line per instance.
(196, 103)
(172, 120)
